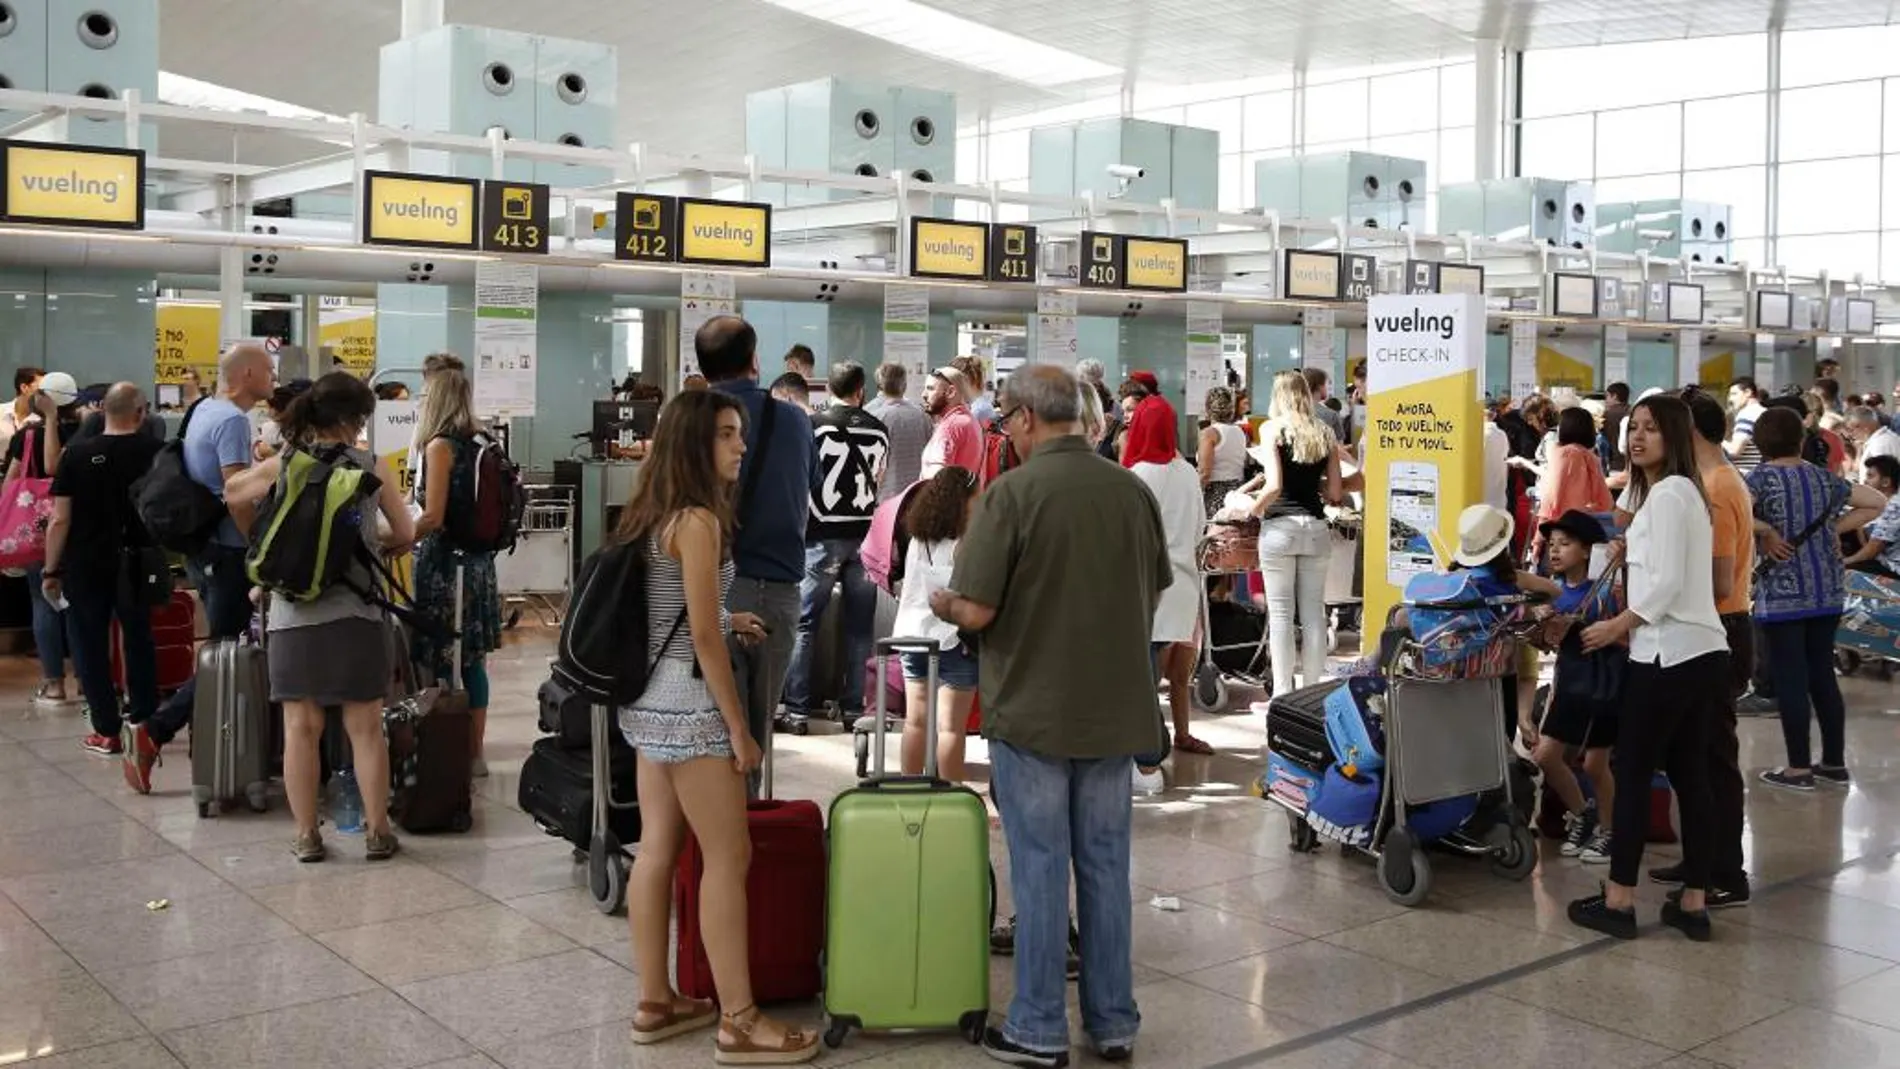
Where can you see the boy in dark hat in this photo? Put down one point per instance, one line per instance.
(1588, 726)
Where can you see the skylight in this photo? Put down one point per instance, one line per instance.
(958, 40)
(193, 93)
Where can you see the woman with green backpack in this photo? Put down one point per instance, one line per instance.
(325, 636)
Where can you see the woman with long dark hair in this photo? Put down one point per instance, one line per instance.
(1678, 669)
(332, 650)
(935, 519)
(688, 731)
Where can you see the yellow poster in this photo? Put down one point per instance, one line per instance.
(1718, 370)
(392, 430)
(186, 340)
(1565, 362)
(349, 334)
(1424, 436)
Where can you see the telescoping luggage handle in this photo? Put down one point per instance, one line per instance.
(888, 647)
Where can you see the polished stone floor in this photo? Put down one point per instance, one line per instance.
(482, 950)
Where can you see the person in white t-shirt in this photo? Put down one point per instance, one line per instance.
(1875, 438)
(1497, 455)
(1744, 399)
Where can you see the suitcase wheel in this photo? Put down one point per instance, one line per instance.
(839, 1028)
(973, 1024)
(461, 822)
(607, 874)
(207, 810)
(257, 796)
(1304, 839)
(1210, 689)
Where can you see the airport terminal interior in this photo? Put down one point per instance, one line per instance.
(1437, 234)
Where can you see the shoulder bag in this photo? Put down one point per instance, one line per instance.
(1768, 564)
(1592, 679)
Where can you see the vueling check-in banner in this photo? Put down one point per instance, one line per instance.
(92, 187)
(1424, 436)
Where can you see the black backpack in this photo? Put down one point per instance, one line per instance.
(606, 616)
(178, 512)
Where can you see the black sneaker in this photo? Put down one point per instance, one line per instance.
(1694, 925)
(1666, 874)
(1001, 1049)
(1120, 1052)
(1595, 914)
(1717, 897)
(1832, 777)
(1781, 777)
(1756, 705)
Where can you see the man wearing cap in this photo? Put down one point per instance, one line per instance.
(958, 438)
(52, 421)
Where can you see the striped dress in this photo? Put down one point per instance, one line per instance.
(675, 719)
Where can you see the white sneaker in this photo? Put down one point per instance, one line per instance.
(478, 769)
(1597, 850)
(1149, 783)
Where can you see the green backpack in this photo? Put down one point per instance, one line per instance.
(309, 531)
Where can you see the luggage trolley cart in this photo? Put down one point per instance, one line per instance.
(1444, 740)
(1229, 550)
(1344, 583)
(540, 570)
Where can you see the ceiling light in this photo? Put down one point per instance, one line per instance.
(926, 29)
(193, 93)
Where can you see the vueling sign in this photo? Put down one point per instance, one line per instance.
(944, 248)
(401, 209)
(725, 233)
(1157, 264)
(75, 187)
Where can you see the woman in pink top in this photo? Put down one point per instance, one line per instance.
(1573, 477)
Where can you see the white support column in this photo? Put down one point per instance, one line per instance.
(1299, 108)
(1772, 183)
(420, 16)
(1488, 111)
(232, 322)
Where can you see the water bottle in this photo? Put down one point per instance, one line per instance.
(346, 803)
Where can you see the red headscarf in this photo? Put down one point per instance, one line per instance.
(1152, 433)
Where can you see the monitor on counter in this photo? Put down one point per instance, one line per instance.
(1860, 316)
(1684, 303)
(1774, 310)
(1573, 295)
(623, 423)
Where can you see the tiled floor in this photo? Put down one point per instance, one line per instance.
(482, 950)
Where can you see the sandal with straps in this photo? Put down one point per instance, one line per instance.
(673, 1019)
(797, 1047)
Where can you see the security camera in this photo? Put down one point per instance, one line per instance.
(1123, 174)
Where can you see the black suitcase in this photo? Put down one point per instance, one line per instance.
(1296, 724)
(557, 792)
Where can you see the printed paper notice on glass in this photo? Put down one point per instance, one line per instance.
(1204, 366)
(1616, 353)
(1316, 339)
(1411, 520)
(1765, 361)
(704, 295)
(507, 297)
(1055, 329)
(907, 330)
(1523, 358)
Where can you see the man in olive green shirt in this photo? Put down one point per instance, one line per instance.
(1060, 571)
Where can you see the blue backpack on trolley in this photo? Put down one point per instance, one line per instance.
(1355, 724)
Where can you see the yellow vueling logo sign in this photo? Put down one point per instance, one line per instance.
(403, 209)
(1156, 264)
(54, 184)
(727, 233)
(945, 249)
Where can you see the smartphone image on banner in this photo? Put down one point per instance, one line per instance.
(1411, 516)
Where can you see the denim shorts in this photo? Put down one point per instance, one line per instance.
(956, 669)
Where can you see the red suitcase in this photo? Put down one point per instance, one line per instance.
(174, 635)
(785, 905)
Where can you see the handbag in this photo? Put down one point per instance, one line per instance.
(1231, 547)
(1593, 679)
(26, 507)
(1768, 564)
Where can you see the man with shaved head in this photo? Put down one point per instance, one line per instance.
(217, 435)
(90, 544)
(1030, 580)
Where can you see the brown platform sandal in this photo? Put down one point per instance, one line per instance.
(798, 1046)
(673, 1019)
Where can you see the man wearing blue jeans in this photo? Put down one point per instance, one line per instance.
(1029, 580)
(217, 446)
(850, 446)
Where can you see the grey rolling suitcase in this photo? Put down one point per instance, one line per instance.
(231, 729)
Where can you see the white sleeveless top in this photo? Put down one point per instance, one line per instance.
(1230, 454)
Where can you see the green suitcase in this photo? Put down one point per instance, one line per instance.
(909, 899)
